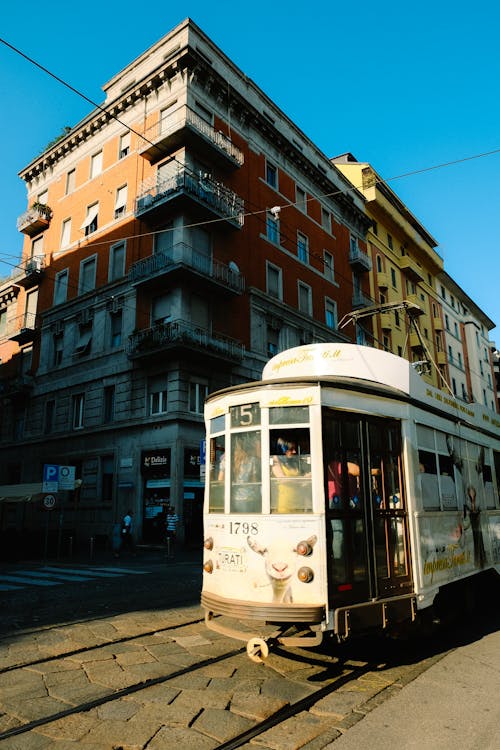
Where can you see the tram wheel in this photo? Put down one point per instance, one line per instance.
(257, 650)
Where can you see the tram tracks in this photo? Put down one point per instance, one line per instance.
(332, 674)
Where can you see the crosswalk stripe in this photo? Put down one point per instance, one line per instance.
(73, 573)
(32, 581)
(10, 588)
(49, 575)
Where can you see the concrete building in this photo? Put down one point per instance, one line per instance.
(468, 348)
(177, 237)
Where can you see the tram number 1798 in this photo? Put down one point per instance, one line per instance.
(243, 527)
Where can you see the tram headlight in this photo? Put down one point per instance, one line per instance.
(305, 574)
(304, 548)
(208, 566)
(209, 543)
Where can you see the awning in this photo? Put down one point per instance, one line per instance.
(93, 211)
(20, 492)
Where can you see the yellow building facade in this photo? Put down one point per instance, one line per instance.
(407, 315)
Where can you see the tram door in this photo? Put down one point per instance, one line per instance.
(365, 515)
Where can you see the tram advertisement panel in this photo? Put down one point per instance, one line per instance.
(454, 545)
(265, 560)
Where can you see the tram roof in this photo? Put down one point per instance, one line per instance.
(371, 370)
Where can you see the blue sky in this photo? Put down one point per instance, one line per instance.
(404, 88)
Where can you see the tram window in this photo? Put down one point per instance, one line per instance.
(447, 483)
(489, 492)
(217, 424)
(217, 457)
(290, 471)
(428, 479)
(246, 487)
(289, 415)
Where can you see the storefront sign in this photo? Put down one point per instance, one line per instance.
(156, 462)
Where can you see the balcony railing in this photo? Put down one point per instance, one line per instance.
(215, 196)
(359, 259)
(411, 269)
(183, 255)
(180, 333)
(360, 299)
(34, 220)
(17, 385)
(165, 134)
(31, 271)
(23, 328)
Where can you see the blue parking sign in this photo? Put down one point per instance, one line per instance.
(50, 478)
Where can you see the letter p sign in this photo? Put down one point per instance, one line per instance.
(50, 478)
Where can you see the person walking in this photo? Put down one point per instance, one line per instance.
(171, 531)
(126, 536)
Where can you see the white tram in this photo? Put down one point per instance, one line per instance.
(342, 493)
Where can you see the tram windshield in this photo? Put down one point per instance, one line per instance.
(260, 461)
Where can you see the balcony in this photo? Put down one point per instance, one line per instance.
(32, 271)
(441, 358)
(359, 260)
(19, 385)
(438, 324)
(218, 200)
(386, 321)
(411, 270)
(185, 127)
(183, 336)
(382, 280)
(23, 328)
(414, 341)
(183, 258)
(35, 219)
(360, 299)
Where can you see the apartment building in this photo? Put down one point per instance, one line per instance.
(175, 239)
(468, 348)
(407, 319)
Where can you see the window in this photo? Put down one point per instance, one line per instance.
(121, 201)
(158, 402)
(271, 175)
(274, 281)
(116, 261)
(37, 248)
(84, 341)
(374, 227)
(48, 423)
(379, 264)
(300, 198)
(96, 164)
(58, 348)
(302, 247)
(61, 287)
(70, 181)
(203, 112)
(87, 275)
(447, 322)
(124, 149)
(116, 320)
(77, 410)
(165, 114)
(109, 404)
(272, 228)
(272, 344)
(393, 278)
(389, 242)
(353, 244)
(326, 220)
(197, 395)
(305, 298)
(330, 313)
(396, 319)
(3, 322)
(89, 225)
(107, 479)
(329, 267)
(65, 232)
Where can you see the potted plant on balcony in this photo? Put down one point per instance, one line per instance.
(42, 209)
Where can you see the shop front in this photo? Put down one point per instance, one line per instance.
(156, 479)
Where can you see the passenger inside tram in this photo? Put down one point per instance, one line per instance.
(290, 463)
